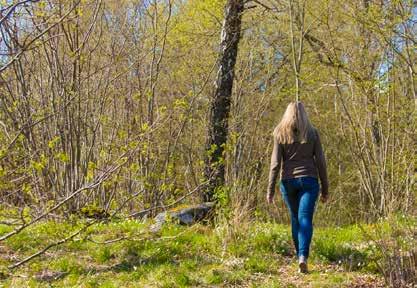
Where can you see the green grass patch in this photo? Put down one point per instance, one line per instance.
(181, 256)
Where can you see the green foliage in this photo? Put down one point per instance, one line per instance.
(70, 265)
(141, 101)
(222, 196)
(181, 256)
(346, 246)
(39, 165)
(94, 211)
(258, 264)
(53, 142)
(216, 276)
(103, 254)
(91, 167)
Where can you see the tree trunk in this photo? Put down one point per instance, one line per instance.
(220, 103)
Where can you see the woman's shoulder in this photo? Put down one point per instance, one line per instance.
(313, 134)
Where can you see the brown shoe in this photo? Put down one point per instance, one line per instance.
(302, 265)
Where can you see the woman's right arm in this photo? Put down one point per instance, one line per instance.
(321, 165)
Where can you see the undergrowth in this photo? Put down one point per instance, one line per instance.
(120, 253)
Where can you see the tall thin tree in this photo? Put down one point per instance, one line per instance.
(220, 102)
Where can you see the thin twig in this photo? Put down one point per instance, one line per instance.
(29, 258)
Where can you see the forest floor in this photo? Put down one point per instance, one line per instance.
(124, 254)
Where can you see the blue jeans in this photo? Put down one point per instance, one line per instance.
(300, 195)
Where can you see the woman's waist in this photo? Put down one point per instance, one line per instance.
(296, 170)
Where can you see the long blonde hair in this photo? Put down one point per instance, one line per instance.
(294, 126)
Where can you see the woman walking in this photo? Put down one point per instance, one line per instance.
(297, 149)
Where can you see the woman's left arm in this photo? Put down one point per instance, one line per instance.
(276, 159)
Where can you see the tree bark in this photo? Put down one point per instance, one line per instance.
(220, 103)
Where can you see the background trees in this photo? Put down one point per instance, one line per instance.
(89, 87)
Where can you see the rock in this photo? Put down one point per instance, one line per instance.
(184, 216)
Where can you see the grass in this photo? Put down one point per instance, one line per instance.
(255, 255)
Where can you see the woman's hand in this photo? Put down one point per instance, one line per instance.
(324, 198)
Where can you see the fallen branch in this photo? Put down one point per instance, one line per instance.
(70, 237)
(27, 259)
(92, 185)
(122, 238)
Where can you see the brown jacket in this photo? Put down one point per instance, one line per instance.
(298, 160)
